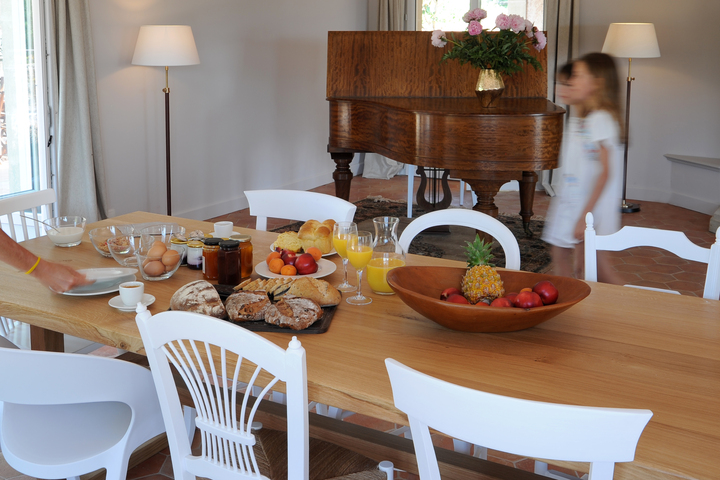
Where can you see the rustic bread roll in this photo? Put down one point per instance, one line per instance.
(293, 312)
(320, 291)
(245, 306)
(199, 297)
(316, 234)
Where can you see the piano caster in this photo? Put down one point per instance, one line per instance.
(526, 227)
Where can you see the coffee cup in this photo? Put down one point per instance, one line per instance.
(223, 229)
(131, 293)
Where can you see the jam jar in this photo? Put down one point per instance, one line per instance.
(246, 254)
(210, 258)
(195, 254)
(229, 263)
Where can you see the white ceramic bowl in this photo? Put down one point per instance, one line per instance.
(66, 231)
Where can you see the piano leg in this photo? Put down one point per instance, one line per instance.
(342, 174)
(486, 189)
(527, 198)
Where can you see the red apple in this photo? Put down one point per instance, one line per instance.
(481, 304)
(449, 291)
(306, 264)
(527, 300)
(455, 298)
(502, 302)
(511, 296)
(288, 257)
(547, 291)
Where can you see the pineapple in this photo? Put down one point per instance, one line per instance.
(481, 282)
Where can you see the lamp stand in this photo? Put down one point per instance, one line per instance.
(167, 143)
(625, 207)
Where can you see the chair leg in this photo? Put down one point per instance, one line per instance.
(410, 191)
(462, 193)
(388, 468)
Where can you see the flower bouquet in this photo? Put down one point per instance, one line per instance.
(504, 51)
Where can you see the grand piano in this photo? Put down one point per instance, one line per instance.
(389, 94)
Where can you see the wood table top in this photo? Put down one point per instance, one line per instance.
(620, 347)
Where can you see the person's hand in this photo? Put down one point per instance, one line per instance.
(59, 278)
(580, 229)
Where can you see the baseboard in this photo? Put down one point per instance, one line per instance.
(692, 203)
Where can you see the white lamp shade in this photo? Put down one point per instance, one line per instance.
(631, 40)
(165, 46)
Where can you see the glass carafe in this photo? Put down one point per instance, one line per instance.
(387, 254)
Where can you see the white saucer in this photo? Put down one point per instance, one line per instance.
(116, 302)
(325, 268)
(213, 234)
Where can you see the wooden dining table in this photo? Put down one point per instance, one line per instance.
(619, 347)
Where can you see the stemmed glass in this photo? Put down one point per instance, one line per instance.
(341, 232)
(359, 252)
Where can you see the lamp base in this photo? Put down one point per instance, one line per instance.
(629, 207)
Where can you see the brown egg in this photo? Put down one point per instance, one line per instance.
(154, 268)
(170, 258)
(157, 250)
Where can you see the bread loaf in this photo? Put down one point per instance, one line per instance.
(293, 312)
(247, 306)
(198, 297)
(315, 289)
(316, 234)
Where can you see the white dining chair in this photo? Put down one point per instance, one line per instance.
(670, 240)
(208, 354)
(466, 218)
(37, 206)
(513, 425)
(65, 415)
(297, 205)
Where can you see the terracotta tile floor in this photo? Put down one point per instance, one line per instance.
(639, 266)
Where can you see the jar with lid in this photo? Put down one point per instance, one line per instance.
(179, 246)
(229, 263)
(210, 258)
(246, 254)
(195, 254)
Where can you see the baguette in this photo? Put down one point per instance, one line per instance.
(315, 289)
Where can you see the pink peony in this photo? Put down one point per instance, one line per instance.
(529, 29)
(541, 41)
(502, 22)
(438, 38)
(479, 14)
(517, 23)
(475, 28)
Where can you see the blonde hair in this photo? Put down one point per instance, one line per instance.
(607, 97)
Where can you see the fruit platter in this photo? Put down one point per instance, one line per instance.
(421, 289)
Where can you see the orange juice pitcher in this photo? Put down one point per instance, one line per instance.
(387, 254)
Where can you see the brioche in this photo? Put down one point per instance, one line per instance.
(317, 290)
(295, 313)
(316, 234)
(198, 297)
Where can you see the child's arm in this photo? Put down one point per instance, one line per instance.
(602, 179)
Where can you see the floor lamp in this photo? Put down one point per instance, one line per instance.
(166, 46)
(630, 40)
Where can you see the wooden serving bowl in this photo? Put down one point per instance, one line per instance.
(420, 288)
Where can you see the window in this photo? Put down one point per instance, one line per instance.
(447, 14)
(23, 162)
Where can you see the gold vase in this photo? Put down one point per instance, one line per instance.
(489, 87)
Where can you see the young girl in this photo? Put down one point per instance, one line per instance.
(591, 160)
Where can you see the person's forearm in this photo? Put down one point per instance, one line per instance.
(600, 183)
(15, 255)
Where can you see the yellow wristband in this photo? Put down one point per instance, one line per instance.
(33, 267)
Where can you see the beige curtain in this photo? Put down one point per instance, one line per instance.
(562, 21)
(384, 15)
(81, 172)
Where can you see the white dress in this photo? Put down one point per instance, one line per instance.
(579, 158)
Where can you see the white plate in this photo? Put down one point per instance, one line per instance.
(325, 268)
(89, 290)
(331, 252)
(105, 277)
(116, 302)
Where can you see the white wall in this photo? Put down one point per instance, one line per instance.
(252, 115)
(675, 104)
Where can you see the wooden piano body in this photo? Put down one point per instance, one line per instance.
(389, 94)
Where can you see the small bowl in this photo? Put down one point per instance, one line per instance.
(152, 268)
(420, 288)
(65, 231)
(100, 235)
(123, 248)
